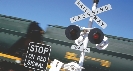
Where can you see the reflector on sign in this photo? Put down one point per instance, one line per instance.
(103, 45)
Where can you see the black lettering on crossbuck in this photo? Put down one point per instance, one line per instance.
(88, 14)
(98, 12)
(79, 17)
(83, 15)
(102, 24)
(101, 9)
(85, 10)
(106, 7)
(74, 19)
(99, 21)
(95, 17)
(93, 12)
(78, 3)
(81, 6)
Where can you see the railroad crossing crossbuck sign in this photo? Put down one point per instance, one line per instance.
(91, 14)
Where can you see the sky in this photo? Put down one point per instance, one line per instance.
(119, 20)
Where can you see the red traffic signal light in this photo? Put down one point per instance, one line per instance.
(72, 32)
(95, 36)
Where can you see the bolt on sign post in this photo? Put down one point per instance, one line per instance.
(37, 56)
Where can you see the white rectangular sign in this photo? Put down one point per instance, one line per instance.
(80, 48)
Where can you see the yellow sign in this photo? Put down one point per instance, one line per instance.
(73, 56)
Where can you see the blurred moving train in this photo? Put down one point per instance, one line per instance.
(16, 33)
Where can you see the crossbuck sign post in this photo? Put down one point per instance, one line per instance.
(92, 15)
